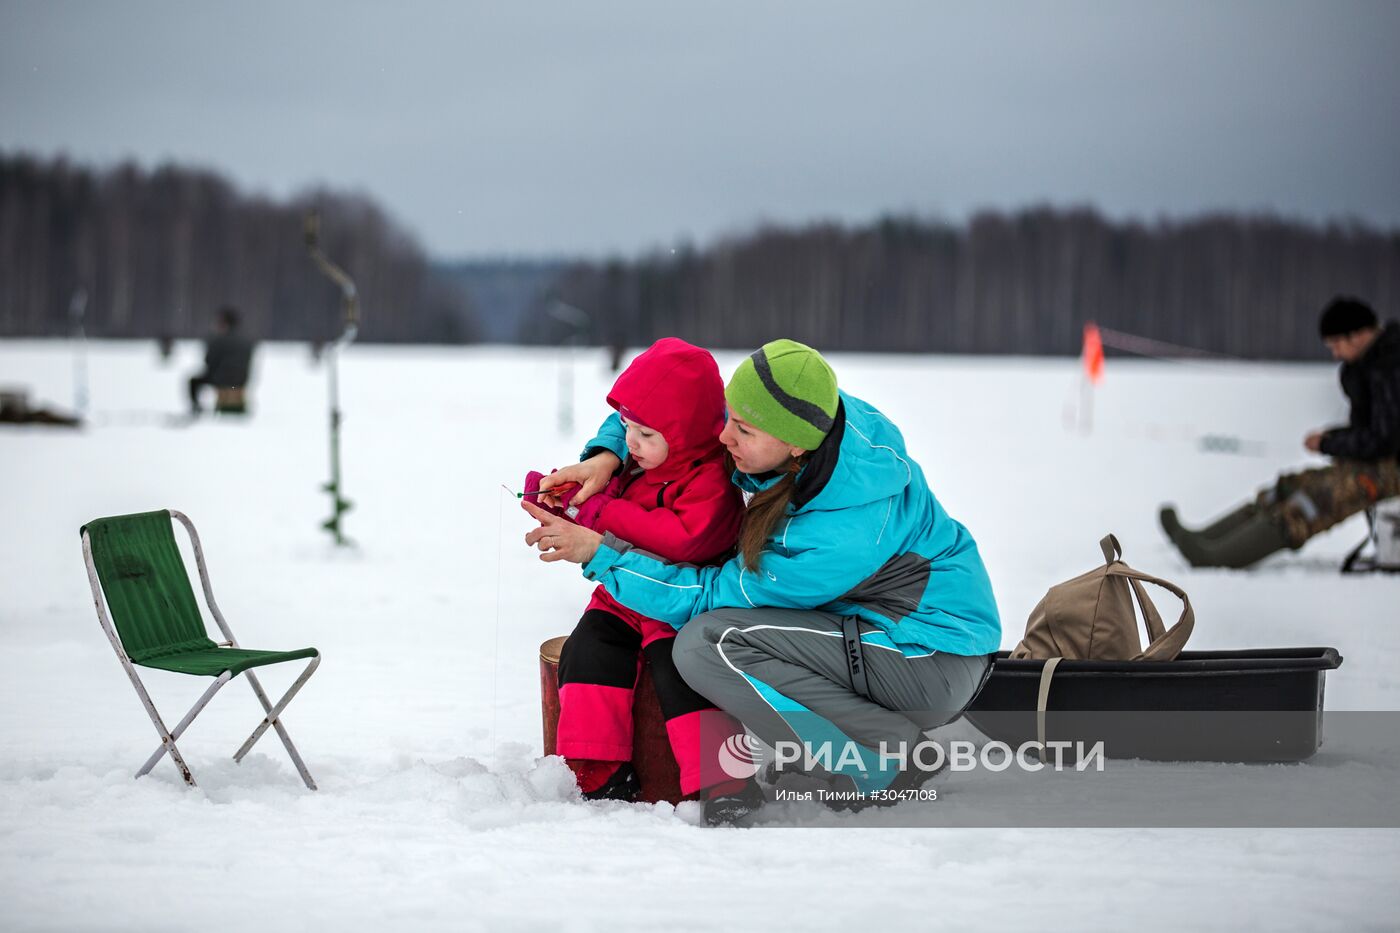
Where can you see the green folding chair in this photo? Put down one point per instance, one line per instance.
(134, 562)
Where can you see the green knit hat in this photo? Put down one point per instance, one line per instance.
(787, 390)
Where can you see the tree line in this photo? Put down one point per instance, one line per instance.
(1017, 283)
(156, 253)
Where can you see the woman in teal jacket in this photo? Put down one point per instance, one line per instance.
(857, 613)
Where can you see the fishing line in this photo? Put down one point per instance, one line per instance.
(496, 631)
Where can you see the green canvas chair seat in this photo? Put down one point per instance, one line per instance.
(136, 572)
(211, 662)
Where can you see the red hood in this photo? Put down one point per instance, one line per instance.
(674, 388)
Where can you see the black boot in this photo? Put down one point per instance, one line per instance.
(727, 809)
(622, 784)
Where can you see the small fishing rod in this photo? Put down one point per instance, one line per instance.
(557, 490)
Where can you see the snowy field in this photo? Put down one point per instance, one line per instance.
(436, 810)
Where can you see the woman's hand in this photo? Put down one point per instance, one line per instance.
(591, 475)
(560, 539)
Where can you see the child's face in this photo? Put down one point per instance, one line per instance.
(647, 447)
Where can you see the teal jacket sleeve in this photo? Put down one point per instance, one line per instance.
(789, 576)
(612, 436)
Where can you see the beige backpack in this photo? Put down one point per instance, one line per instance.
(1091, 618)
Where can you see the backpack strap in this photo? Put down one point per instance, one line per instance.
(1113, 554)
(1167, 644)
(1042, 699)
(1150, 615)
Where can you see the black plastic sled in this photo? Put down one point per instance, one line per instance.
(1259, 704)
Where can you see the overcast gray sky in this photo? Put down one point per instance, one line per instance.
(533, 128)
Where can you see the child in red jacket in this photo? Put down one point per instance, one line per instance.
(672, 496)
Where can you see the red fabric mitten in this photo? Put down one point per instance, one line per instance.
(587, 514)
(532, 488)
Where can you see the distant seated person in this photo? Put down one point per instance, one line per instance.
(1365, 454)
(228, 356)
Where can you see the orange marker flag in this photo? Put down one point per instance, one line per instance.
(1093, 353)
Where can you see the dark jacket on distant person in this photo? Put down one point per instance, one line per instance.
(227, 359)
(1372, 383)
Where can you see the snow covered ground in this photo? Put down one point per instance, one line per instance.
(422, 726)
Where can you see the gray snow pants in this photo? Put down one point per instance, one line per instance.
(785, 673)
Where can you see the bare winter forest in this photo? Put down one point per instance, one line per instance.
(155, 253)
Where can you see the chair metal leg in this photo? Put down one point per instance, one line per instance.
(167, 744)
(167, 741)
(273, 719)
(99, 603)
(294, 755)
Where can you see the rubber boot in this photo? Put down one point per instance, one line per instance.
(1192, 544)
(1189, 543)
(1250, 542)
(1222, 526)
(1231, 520)
(1246, 542)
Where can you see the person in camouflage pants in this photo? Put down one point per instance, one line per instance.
(1365, 452)
(1311, 501)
